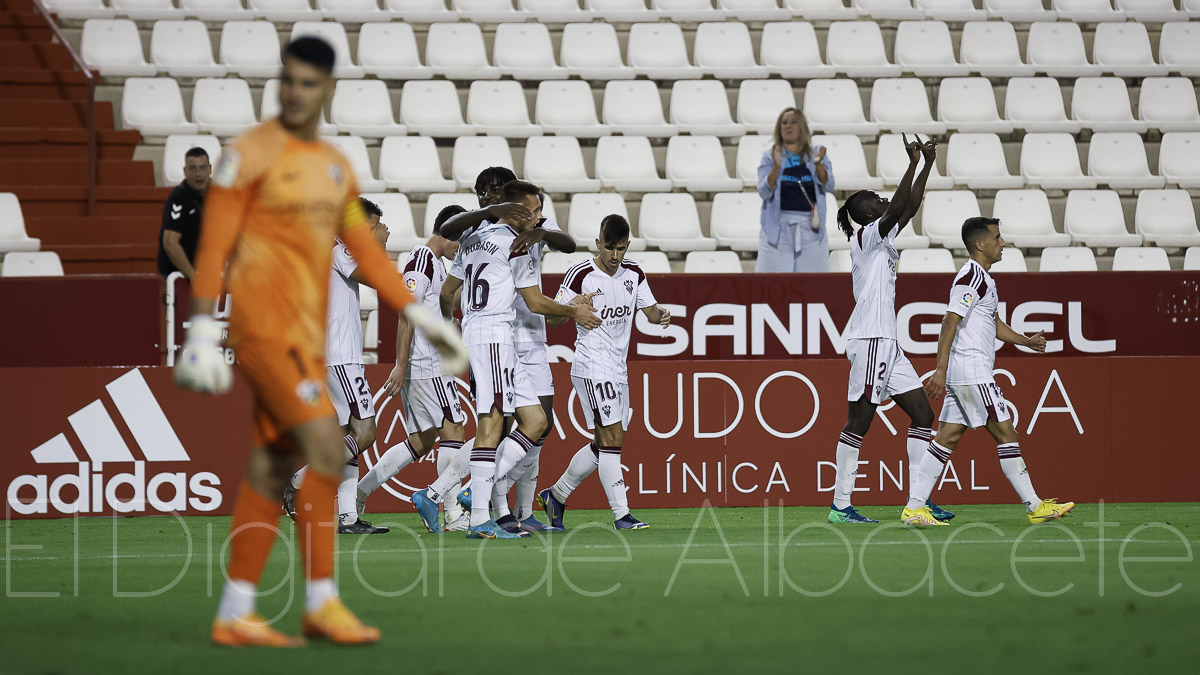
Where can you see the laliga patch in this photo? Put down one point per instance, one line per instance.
(411, 283)
(309, 391)
(227, 168)
(968, 298)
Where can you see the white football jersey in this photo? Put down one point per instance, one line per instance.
(973, 354)
(600, 353)
(491, 279)
(531, 327)
(424, 274)
(343, 335)
(873, 267)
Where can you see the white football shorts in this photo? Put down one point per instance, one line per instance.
(604, 402)
(429, 403)
(534, 378)
(494, 372)
(350, 392)
(878, 370)
(974, 405)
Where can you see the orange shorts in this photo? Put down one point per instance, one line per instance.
(288, 384)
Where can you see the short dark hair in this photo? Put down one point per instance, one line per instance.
(614, 229)
(515, 189)
(196, 151)
(493, 175)
(312, 50)
(974, 228)
(446, 214)
(370, 207)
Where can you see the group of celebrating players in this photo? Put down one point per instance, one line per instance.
(285, 215)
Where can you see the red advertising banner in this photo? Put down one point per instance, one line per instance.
(104, 441)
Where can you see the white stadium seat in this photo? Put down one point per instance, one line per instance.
(1123, 49)
(1140, 259)
(791, 50)
(1118, 159)
(1011, 260)
(554, 262)
(1052, 161)
(588, 210)
(635, 109)
(351, 11)
(735, 220)
(835, 107)
(215, 10)
(31, 264)
(969, 104)
(12, 226)
(335, 35)
(670, 222)
(977, 161)
(79, 9)
(943, 213)
(621, 11)
(364, 108)
(389, 51)
(456, 51)
(591, 51)
(990, 49)
(888, 10)
(1036, 104)
(397, 215)
(250, 48)
(1166, 218)
(760, 101)
(712, 262)
(908, 237)
(440, 200)
(1026, 219)
(154, 106)
(146, 10)
(1168, 104)
(821, 10)
(411, 164)
(754, 10)
(354, 149)
(951, 10)
(474, 154)
(1018, 10)
(1150, 11)
(891, 161)
(924, 48)
(750, 149)
(420, 11)
(1179, 158)
(523, 51)
(175, 150)
(568, 109)
(1095, 218)
(1179, 46)
(1102, 104)
(284, 11)
(856, 49)
(269, 108)
(697, 164)
(182, 48)
(486, 11)
(849, 161)
(657, 51)
(1086, 11)
(702, 108)
(1064, 259)
(1191, 259)
(1056, 49)
(686, 11)
(723, 50)
(113, 47)
(556, 164)
(555, 11)
(499, 109)
(432, 109)
(901, 105)
(626, 164)
(839, 261)
(926, 260)
(222, 106)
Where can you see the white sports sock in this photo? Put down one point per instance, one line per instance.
(526, 475)
(614, 481)
(1015, 471)
(391, 463)
(847, 468)
(918, 440)
(346, 493)
(457, 458)
(511, 451)
(319, 590)
(352, 450)
(928, 473)
(582, 465)
(450, 501)
(298, 477)
(483, 477)
(237, 600)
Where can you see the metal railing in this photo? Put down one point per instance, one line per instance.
(91, 104)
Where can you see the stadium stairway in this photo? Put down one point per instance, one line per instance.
(43, 156)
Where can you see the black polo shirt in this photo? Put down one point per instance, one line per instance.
(181, 213)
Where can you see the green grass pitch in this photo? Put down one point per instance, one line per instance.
(683, 596)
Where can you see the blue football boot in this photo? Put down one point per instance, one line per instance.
(554, 508)
(532, 524)
(628, 522)
(427, 510)
(847, 515)
(938, 512)
(489, 530)
(464, 499)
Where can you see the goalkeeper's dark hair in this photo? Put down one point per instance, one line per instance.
(446, 214)
(493, 175)
(312, 50)
(614, 229)
(976, 227)
(370, 207)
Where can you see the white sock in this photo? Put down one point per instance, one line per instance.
(347, 494)
(483, 477)
(450, 503)
(918, 440)
(928, 473)
(511, 451)
(453, 465)
(319, 590)
(237, 600)
(582, 465)
(352, 450)
(391, 463)
(614, 481)
(525, 477)
(298, 477)
(1014, 470)
(847, 468)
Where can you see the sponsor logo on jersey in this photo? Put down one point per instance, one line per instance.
(968, 298)
(614, 313)
(411, 283)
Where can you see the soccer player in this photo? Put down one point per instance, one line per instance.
(878, 368)
(493, 276)
(617, 288)
(346, 378)
(965, 358)
(431, 407)
(278, 198)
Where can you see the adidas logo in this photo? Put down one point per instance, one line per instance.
(89, 489)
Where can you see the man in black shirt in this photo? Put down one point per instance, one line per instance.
(181, 217)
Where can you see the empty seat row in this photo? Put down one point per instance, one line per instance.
(656, 50)
(1053, 259)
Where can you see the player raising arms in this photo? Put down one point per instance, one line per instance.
(878, 368)
(965, 357)
(617, 289)
(279, 197)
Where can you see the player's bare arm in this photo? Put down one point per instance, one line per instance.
(447, 297)
(559, 241)
(540, 304)
(404, 335)
(1036, 342)
(658, 314)
(171, 244)
(457, 225)
(917, 193)
(899, 202)
(581, 299)
(935, 386)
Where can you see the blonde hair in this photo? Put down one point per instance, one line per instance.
(805, 142)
